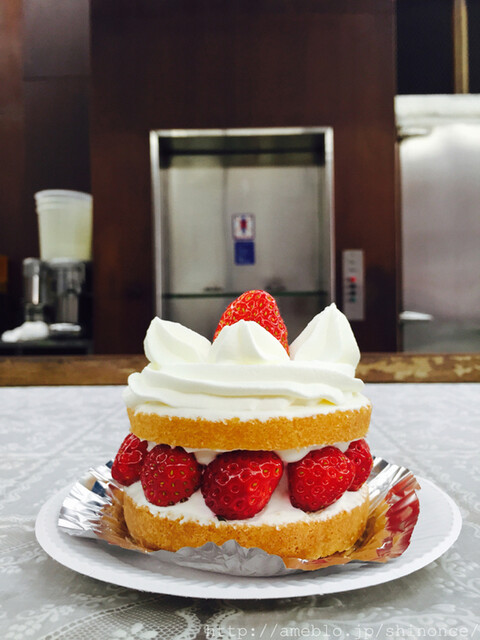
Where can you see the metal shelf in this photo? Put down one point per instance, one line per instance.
(235, 294)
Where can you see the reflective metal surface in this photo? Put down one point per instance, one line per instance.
(277, 183)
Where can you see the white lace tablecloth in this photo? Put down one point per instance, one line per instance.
(51, 435)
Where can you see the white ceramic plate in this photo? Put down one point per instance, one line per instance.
(438, 527)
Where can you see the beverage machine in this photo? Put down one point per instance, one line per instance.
(57, 287)
(58, 292)
(239, 209)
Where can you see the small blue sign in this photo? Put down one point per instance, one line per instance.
(244, 252)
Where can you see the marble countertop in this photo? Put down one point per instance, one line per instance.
(52, 435)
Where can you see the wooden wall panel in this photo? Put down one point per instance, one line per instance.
(123, 243)
(220, 63)
(57, 38)
(12, 152)
(57, 135)
(44, 139)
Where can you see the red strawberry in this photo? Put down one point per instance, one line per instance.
(170, 475)
(359, 454)
(260, 307)
(129, 460)
(319, 479)
(238, 484)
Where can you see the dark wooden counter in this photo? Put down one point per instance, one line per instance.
(115, 369)
(416, 367)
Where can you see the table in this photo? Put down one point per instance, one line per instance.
(51, 435)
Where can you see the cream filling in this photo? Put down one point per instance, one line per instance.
(279, 510)
(205, 456)
(351, 402)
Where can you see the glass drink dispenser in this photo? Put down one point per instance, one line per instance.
(241, 209)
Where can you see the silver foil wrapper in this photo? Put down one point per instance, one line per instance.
(94, 508)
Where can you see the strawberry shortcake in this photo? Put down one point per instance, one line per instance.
(247, 437)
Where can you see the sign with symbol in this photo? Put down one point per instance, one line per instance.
(243, 226)
(243, 231)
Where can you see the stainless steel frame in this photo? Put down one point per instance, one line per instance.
(159, 195)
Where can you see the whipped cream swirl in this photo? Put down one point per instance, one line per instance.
(246, 369)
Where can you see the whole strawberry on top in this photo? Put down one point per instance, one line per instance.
(257, 306)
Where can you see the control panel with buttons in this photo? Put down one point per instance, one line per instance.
(353, 281)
